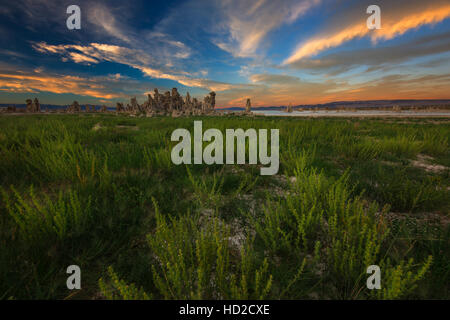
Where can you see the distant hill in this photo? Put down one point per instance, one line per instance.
(370, 104)
(50, 106)
(375, 104)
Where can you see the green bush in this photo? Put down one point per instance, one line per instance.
(194, 261)
(42, 219)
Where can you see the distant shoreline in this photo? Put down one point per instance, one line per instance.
(295, 114)
(386, 105)
(357, 114)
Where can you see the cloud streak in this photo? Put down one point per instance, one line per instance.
(248, 23)
(393, 25)
(378, 57)
(56, 84)
(95, 53)
(105, 88)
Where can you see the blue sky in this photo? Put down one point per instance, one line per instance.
(272, 51)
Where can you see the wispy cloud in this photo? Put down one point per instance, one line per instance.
(91, 87)
(247, 23)
(101, 16)
(378, 57)
(135, 58)
(108, 88)
(394, 23)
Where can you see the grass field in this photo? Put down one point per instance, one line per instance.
(101, 192)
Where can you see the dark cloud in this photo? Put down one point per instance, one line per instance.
(377, 57)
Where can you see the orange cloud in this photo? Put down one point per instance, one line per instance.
(79, 58)
(391, 27)
(54, 84)
(97, 52)
(395, 28)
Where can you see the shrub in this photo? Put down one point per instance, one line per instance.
(193, 262)
(41, 219)
(117, 289)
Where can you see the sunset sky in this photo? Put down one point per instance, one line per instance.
(275, 52)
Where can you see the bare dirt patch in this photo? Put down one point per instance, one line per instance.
(238, 235)
(423, 161)
(97, 127)
(134, 128)
(422, 218)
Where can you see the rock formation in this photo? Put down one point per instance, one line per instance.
(289, 108)
(134, 106)
(248, 106)
(167, 103)
(149, 106)
(119, 107)
(157, 97)
(188, 106)
(33, 106)
(37, 105)
(29, 105)
(209, 103)
(74, 107)
(170, 103)
(176, 100)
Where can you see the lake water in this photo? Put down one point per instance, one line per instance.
(366, 113)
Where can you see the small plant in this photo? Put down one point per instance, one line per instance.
(403, 145)
(435, 142)
(247, 183)
(40, 219)
(364, 150)
(195, 262)
(401, 280)
(158, 159)
(395, 186)
(117, 289)
(293, 160)
(207, 192)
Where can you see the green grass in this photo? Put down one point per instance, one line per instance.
(101, 192)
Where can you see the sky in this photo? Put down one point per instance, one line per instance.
(274, 52)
